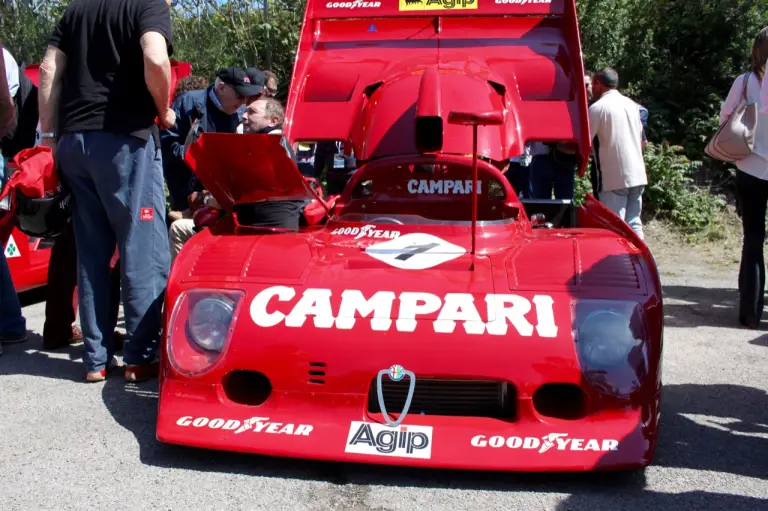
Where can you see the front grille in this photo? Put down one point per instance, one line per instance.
(458, 398)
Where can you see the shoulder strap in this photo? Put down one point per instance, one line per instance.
(744, 88)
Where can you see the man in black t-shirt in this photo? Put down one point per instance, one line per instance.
(105, 78)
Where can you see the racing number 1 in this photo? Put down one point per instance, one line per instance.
(414, 250)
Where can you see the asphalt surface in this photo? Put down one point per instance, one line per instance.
(69, 445)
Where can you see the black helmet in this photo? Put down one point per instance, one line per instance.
(44, 217)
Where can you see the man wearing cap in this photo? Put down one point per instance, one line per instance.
(217, 108)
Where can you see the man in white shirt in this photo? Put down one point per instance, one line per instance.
(615, 120)
(11, 72)
(12, 78)
(13, 325)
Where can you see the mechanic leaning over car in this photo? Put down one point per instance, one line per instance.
(265, 115)
(13, 325)
(215, 109)
(98, 108)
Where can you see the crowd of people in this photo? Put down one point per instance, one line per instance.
(618, 176)
(119, 137)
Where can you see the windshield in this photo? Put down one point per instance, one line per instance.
(396, 219)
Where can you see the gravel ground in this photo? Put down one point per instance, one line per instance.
(68, 445)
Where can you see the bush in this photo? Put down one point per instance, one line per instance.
(671, 194)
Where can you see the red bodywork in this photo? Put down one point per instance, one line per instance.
(28, 257)
(539, 350)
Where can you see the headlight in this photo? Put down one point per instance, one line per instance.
(610, 338)
(605, 339)
(209, 322)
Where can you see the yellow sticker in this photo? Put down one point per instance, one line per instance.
(436, 5)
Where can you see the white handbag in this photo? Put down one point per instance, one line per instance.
(735, 139)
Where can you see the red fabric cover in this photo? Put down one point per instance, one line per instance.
(32, 173)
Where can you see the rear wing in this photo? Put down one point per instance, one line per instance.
(338, 9)
(360, 76)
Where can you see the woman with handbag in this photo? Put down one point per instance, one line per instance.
(743, 140)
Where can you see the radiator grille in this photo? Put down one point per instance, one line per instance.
(458, 398)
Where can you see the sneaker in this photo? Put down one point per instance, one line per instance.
(13, 339)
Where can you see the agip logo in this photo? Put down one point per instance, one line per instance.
(436, 5)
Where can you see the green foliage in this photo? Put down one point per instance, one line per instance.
(678, 58)
(25, 32)
(670, 193)
(582, 186)
(236, 33)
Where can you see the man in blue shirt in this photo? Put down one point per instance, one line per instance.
(218, 108)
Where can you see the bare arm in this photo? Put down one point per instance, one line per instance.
(157, 70)
(49, 91)
(733, 99)
(7, 108)
(764, 91)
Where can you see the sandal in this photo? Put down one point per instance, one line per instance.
(102, 375)
(141, 372)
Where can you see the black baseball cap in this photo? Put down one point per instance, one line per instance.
(257, 76)
(241, 81)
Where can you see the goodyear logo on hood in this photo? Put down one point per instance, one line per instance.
(436, 5)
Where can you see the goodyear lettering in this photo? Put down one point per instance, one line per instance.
(352, 5)
(523, 2)
(268, 310)
(366, 231)
(556, 441)
(255, 424)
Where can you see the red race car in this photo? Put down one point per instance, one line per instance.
(28, 256)
(428, 317)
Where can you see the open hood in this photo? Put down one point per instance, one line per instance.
(247, 168)
(360, 68)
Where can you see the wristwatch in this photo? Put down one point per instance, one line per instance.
(51, 134)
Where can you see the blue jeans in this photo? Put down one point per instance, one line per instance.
(117, 197)
(627, 203)
(548, 175)
(12, 323)
(520, 179)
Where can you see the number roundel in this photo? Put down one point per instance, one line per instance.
(415, 251)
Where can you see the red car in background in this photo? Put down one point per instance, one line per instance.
(27, 256)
